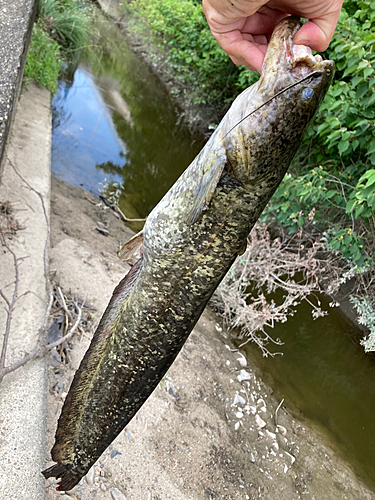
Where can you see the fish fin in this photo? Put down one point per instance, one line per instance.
(60, 471)
(207, 188)
(132, 248)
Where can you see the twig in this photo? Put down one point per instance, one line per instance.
(10, 303)
(116, 208)
(70, 333)
(40, 351)
(62, 302)
(266, 266)
(277, 409)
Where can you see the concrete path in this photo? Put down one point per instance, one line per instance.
(23, 393)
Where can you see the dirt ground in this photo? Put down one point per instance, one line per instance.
(211, 429)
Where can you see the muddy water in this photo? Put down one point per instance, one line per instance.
(324, 374)
(114, 123)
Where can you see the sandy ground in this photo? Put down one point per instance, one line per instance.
(209, 430)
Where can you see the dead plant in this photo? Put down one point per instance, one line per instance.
(270, 279)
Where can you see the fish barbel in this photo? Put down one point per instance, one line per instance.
(188, 243)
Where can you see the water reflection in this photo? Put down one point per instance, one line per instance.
(84, 134)
(115, 122)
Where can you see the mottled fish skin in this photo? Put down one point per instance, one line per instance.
(188, 247)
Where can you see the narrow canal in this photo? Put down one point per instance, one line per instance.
(114, 125)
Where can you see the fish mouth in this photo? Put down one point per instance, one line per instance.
(286, 63)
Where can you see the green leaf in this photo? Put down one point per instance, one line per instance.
(330, 193)
(367, 175)
(355, 144)
(343, 146)
(350, 205)
(358, 211)
(369, 101)
(356, 80)
(361, 90)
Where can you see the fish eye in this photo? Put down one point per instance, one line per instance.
(307, 93)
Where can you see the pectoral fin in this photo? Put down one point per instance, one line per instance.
(207, 188)
(132, 248)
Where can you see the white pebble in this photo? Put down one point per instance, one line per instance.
(291, 458)
(236, 426)
(242, 360)
(275, 446)
(253, 410)
(281, 429)
(239, 399)
(90, 476)
(239, 414)
(271, 434)
(244, 375)
(260, 422)
(117, 495)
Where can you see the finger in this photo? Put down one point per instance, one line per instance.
(263, 22)
(222, 13)
(317, 33)
(239, 62)
(241, 51)
(257, 39)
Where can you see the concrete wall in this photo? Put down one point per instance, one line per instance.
(16, 22)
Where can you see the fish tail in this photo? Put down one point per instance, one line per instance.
(63, 472)
(68, 431)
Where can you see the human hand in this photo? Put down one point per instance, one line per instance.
(243, 28)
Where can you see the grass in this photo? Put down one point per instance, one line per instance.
(60, 36)
(67, 22)
(43, 62)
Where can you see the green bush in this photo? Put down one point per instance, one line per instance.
(61, 34)
(201, 67)
(346, 118)
(43, 62)
(332, 181)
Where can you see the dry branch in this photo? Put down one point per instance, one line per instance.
(268, 281)
(41, 348)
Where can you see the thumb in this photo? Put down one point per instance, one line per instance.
(317, 33)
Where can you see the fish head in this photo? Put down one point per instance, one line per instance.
(266, 123)
(287, 64)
